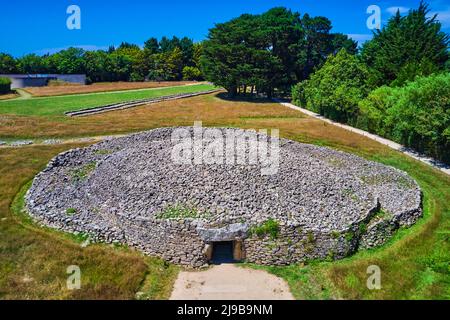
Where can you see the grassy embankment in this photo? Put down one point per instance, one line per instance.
(33, 261)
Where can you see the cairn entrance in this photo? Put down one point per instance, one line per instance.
(321, 204)
(223, 252)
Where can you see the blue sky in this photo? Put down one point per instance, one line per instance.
(40, 26)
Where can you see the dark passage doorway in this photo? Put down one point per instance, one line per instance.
(222, 252)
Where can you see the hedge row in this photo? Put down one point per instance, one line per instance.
(416, 115)
(5, 85)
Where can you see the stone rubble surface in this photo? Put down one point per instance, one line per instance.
(318, 196)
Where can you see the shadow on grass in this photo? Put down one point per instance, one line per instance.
(243, 98)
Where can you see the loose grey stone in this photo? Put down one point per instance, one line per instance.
(52, 141)
(327, 204)
(21, 143)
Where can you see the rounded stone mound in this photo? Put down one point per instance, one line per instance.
(314, 203)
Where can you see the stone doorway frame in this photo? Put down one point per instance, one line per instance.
(238, 250)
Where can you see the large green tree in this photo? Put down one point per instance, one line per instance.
(268, 52)
(70, 61)
(32, 64)
(335, 89)
(407, 46)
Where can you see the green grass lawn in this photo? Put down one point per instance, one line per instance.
(58, 105)
(414, 264)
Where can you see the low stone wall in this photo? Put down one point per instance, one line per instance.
(184, 241)
(323, 203)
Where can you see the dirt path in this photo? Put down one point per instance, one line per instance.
(229, 282)
(23, 94)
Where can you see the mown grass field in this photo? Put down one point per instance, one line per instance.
(60, 104)
(66, 89)
(33, 260)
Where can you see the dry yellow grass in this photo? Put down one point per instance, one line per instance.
(410, 264)
(33, 261)
(58, 90)
(8, 96)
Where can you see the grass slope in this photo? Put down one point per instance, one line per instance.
(60, 104)
(34, 260)
(414, 265)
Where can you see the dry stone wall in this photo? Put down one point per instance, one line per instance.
(324, 204)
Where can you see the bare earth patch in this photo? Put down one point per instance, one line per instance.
(229, 282)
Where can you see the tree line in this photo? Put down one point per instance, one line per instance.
(397, 86)
(252, 53)
(269, 52)
(165, 59)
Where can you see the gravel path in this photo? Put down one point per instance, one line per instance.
(391, 144)
(129, 190)
(229, 282)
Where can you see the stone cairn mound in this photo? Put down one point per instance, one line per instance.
(321, 204)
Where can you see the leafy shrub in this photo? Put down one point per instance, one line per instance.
(372, 110)
(407, 46)
(411, 71)
(336, 89)
(298, 93)
(83, 172)
(416, 115)
(192, 73)
(271, 227)
(136, 77)
(71, 211)
(5, 85)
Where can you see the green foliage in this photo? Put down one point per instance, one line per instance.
(151, 46)
(83, 173)
(298, 93)
(416, 115)
(319, 43)
(267, 52)
(5, 85)
(372, 110)
(407, 46)
(412, 70)
(180, 212)
(362, 228)
(163, 60)
(349, 236)
(8, 64)
(33, 64)
(192, 73)
(70, 61)
(71, 211)
(271, 227)
(335, 234)
(336, 89)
